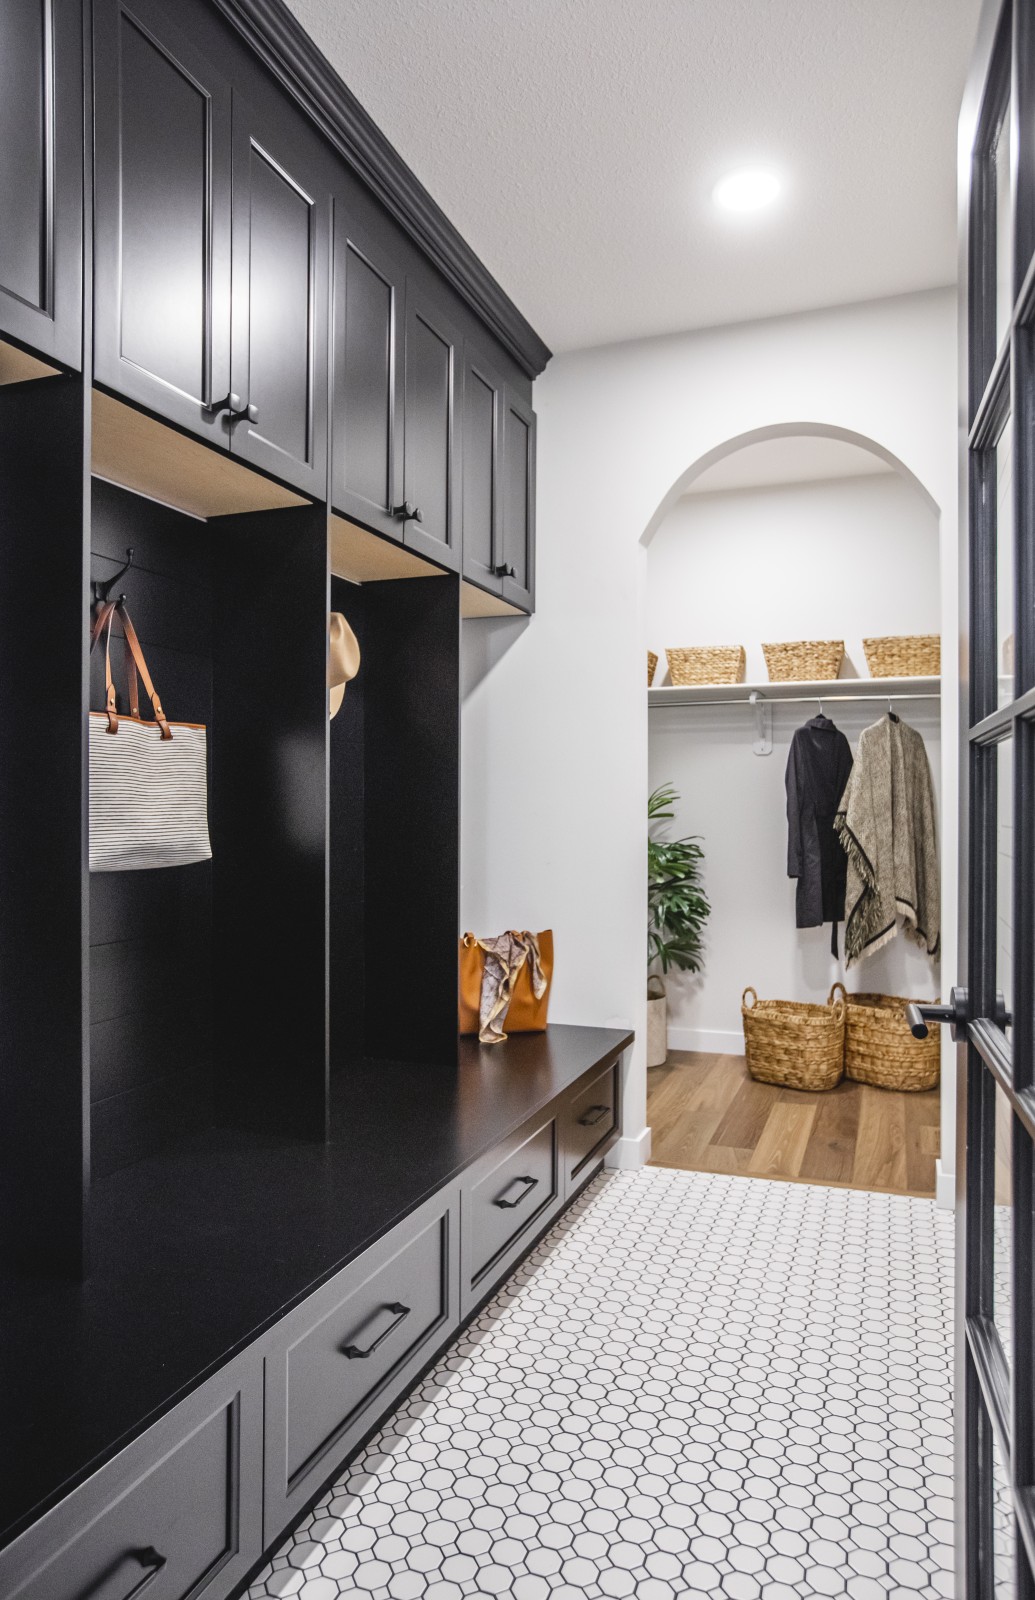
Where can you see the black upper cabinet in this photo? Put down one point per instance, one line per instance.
(41, 177)
(208, 220)
(366, 443)
(518, 560)
(483, 408)
(431, 455)
(281, 249)
(163, 190)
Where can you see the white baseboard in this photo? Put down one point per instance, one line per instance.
(712, 1042)
(630, 1154)
(944, 1187)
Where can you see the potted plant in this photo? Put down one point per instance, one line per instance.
(677, 911)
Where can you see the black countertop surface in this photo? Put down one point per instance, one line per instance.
(198, 1250)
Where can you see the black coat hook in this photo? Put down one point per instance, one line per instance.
(102, 587)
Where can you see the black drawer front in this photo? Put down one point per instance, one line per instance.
(507, 1199)
(336, 1366)
(177, 1515)
(592, 1119)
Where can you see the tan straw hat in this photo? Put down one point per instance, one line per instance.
(342, 659)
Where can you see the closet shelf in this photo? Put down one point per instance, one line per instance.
(834, 689)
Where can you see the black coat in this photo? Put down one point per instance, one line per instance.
(818, 769)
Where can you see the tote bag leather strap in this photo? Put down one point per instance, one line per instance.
(135, 664)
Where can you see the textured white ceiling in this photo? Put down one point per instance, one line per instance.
(575, 143)
(797, 458)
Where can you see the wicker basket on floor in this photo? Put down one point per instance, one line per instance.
(804, 660)
(706, 663)
(652, 667)
(879, 1048)
(795, 1045)
(907, 655)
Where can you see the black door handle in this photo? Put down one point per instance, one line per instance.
(530, 1184)
(504, 570)
(593, 1116)
(956, 1014)
(408, 512)
(399, 1315)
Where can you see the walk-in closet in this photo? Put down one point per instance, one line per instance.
(817, 543)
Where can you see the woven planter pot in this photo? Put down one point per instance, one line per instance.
(907, 655)
(793, 1044)
(804, 660)
(715, 663)
(879, 1048)
(652, 667)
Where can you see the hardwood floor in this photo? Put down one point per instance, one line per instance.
(707, 1115)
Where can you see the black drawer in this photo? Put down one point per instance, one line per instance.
(592, 1120)
(178, 1513)
(352, 1343)
(506, 1194)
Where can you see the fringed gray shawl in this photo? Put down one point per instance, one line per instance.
(886, 823)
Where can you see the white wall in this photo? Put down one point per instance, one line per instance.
(839, 559)
(555, 717)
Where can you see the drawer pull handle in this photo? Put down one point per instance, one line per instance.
(530, 1184)
(150, 1559)
(399, 1315)
(593, 1115)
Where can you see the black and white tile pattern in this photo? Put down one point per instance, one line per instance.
(697, 1384)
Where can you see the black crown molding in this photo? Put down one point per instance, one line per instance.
(283, 45)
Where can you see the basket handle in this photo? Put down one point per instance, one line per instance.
(743, 999)
(839, 1009)
(833, 991)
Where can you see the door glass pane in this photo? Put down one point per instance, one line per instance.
(1003, 232)
(1004, 1538)
(1004, 562)
(1004, 871)
(1002, 1223)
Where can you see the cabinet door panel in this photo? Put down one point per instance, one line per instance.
(367, 441)
(281, 247)
(482, 500)
(431, 465)
(519, 502)
(41, 177)
(163, 218)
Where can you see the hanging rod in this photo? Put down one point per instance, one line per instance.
(757, 698)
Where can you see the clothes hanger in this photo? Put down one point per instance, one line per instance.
(891, 711)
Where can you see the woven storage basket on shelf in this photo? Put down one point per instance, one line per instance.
(652, 667)
(907, 655)
(879, 1048)
(792, 1044)
(706, 663)
(804, 660)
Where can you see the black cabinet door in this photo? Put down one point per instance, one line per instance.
(281, 251)
(431, 454)
(366, 443)
(483, 407)
(41, 176)
(519, 503)
(162, 210)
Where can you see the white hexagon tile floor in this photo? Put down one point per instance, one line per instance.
(697, 1384)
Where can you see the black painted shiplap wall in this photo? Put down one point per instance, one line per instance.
(151, 932)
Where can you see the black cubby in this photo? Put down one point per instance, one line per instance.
(394, 826)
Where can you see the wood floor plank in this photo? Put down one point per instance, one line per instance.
(701, 1113)
(781, 1149)
(880, 1156)
(708, 1115)
(830, 1156)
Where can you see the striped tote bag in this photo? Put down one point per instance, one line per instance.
(148, 780)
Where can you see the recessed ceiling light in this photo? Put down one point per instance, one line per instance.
(748, 189)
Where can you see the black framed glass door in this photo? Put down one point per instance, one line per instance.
(994, 1007)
